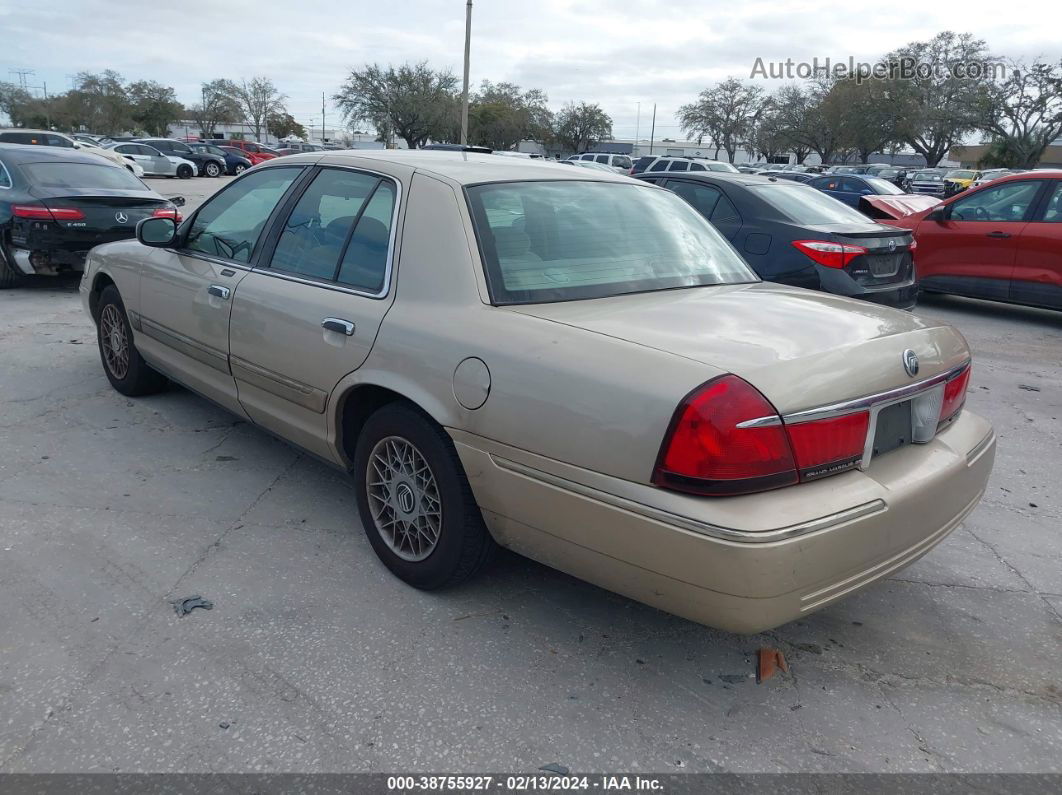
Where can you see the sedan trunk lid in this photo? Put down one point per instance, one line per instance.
(802, 349)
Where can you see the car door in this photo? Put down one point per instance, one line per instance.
(1037, 276)
(972, 249)
(308, 314)
(186, 292)
(135, 153)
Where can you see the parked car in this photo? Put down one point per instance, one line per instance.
(851, 188)
(252, 150)
(621, 164)
(803, 177)
(1001, 241)
(57, 203)
(796, 235)
(285, 151)
(841, 424)
(235, 162)
(995, 173)
(49, 138)
(206, 163)
(673, 163)
(929, 181)
(587, 164)
(959, 179)
(153, 162)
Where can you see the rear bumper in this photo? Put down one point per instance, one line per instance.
(900, 295)
(743, 564)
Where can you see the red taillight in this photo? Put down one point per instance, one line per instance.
(823, 447)
(954, 395)
(707, 451)
(38, 212)
(167, 212)
(832, 255)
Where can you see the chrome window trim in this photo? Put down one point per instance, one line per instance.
(329, 284)
(694, 525)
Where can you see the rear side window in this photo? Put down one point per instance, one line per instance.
(659, 165)
(602, 159)
(230, 224)
(20, 138)
(702, 197)
(697, 167)
(679, 165)
(364, 263)
(5, 178)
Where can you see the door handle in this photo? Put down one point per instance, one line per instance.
(219, 291)
(339, 325)
(998, 235)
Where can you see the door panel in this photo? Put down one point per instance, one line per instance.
(977, 242)
(1037, 275)
(186, 294)
(308, 314)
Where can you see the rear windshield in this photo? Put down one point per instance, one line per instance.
(806, 205)
(81, 175)
(568, 240)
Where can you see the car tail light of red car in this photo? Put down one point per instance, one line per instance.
(832, 255)
(38, 212)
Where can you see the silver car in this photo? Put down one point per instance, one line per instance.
(560, 361)
(154, 162)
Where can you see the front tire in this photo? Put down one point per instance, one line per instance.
(238, 169)
(212, 169)
(184, 172)
(415, 503)
(125, 368)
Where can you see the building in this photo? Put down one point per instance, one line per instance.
(971, 156)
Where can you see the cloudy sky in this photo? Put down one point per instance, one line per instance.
(617, 53)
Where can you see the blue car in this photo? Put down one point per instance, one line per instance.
(850, 188)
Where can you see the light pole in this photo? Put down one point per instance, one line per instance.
(637, 126)
(464, 93)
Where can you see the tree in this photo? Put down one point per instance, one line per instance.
(578, 127)
(937, 104)
(414, 101)
(258, 99)
(1023, 112)
(100, 103)
(500, 115)
(153, 106)
(726, 113)
(216, 106)
(808, 123)
(866, 114)
(281, 125)
(18, 105)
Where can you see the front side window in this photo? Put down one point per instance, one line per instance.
(59, 140)
(702, 197)
(883, 187)
(230, 224)
(659, 165)
(5, 178)
(1008, 202)
(679, 165)
(602, 159)
(569, 240)
(316, 232)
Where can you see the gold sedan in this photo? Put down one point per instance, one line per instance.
(570, 364)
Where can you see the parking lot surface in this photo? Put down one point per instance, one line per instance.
(314, 658)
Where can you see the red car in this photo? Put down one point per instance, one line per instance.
(254, 157)
(252, 150)
(1001, 241)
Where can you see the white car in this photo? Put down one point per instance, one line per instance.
(153, 162)
(621, 164)
(59, 140)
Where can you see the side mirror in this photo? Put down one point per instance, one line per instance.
(178, 201)
(938, 214)
(157, 232)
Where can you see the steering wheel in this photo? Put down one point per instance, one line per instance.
(980, 214)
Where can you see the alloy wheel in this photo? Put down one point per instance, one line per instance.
(403, 498)
(115, 341)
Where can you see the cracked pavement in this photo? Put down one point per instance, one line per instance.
(315, 658)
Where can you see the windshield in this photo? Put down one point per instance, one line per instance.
(961, 174)
(883, 187)
(82, 176)
(567, 240)
(928, 176)
(805, 205)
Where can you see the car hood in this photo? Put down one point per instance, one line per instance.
(893, 206)
(800, 348)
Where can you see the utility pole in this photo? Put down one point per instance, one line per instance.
(464, 93)
(652, 133)
(322, 119)
(22, 75)
(637, 126)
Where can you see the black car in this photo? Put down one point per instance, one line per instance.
(56, 204)
(209, 165)
(794, 234)
(235, 161)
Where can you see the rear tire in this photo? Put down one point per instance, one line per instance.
(415, 503)
(184, 172)
(125, 368)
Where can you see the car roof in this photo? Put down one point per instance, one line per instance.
(720, 176)
(32, 130)
(32, 153)
(465, 168)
